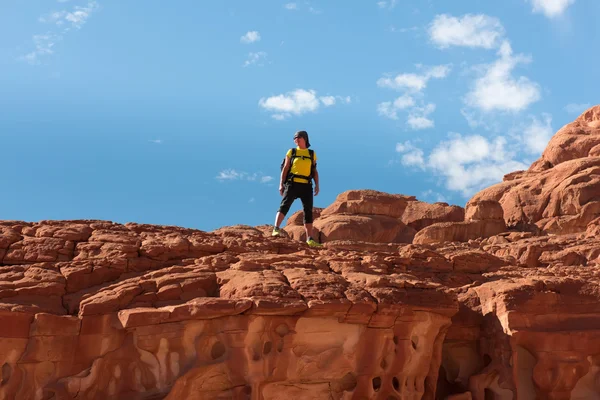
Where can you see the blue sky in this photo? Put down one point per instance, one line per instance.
(179, 113)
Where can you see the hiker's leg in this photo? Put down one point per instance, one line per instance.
(308, 228)
(286, 203)
(279, 218)
(307, 208)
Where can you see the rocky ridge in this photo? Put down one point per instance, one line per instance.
(407, 300)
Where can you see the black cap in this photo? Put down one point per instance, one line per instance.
(304, 135)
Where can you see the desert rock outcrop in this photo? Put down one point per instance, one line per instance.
(405, 300)
(560, 192)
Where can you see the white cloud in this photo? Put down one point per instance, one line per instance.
(551, 8)
(404, 81)
(255, 58)
(156, 141)
(469, 31)
(387, 4)
(403, 102)
(80, 15)
(294, 7)
(473, 162)
(233, 175)
(573, 108)
(44, 45)
(467, 164)
(327, 100)
(390, 109)
(250, 37)
(417, 122)
(297, 102)
(413, 85)
(386, 109)
(537, 134)
(411, 156)
(417, 118)
(497, 89)
(56, 17)
(77, 17)
(414, 82)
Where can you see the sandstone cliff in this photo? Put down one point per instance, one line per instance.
(407, 300)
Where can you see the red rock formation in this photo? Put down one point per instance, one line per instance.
(419, 214)
(362, 215)
(483, 219)
(472, 309)
(368, 215)
(560, 193)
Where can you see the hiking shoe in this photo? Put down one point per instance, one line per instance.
(276, 232)
(312, 243)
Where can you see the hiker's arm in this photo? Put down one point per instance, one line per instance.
(316, 178)
(284, 172)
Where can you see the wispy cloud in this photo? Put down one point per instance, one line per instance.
(44, 45)
(574, 108)
(390, 109)
(298, 102)
(76, 18)
(65, 21)
(156, 141)
(411, 156)
(295, 6)
(467, 164)
(233, 175)
(256, 59)
(498, 89)
(551, 8)
(250, 37)
(414, 82)
(389, 4)
(327, 100)
(469, 31)
(418, 117)
(413, 85)
(536, 134)
(495, 88)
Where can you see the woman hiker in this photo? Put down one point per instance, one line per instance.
(297, 173)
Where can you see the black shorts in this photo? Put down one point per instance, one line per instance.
(294, 190)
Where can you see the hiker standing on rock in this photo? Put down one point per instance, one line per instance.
(298, 170)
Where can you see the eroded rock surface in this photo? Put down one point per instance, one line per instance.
(405, 300)
(560, 192)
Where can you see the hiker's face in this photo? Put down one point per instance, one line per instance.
(299, 141)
